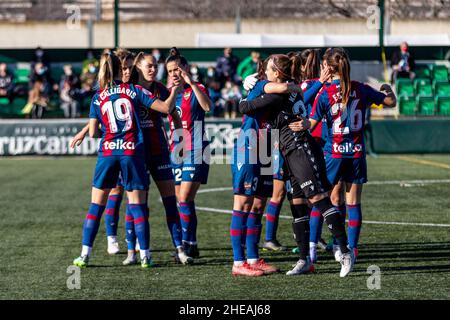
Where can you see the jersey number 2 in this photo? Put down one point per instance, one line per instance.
(120, 110)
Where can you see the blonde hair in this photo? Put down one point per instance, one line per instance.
(110, 68)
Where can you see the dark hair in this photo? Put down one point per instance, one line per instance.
(310, 63)
(337, 59)
(261, 68)
(288, 67)
(110, 68)
(175, 55)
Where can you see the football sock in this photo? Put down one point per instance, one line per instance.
(236, 234)
(173, 219)
(91, 224)
(254, 228)
(112, 214)
(315, 225)
(185, 219)
(354, 224)
(130, 235)
(141, 225)
(272, 217)
(334, 222)
(300, 226)
(193, 231)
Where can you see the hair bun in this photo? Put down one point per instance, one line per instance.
(174, 52)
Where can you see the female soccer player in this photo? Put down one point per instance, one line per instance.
(251, 187)
(343, 103)
(115, 197)
(157, 154)
(115, 107)
(304, 161)
(189, 147)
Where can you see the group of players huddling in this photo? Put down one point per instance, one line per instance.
(308, 114)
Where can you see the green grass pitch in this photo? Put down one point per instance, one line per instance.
(43, 203)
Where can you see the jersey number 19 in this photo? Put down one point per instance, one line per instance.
(120, 110)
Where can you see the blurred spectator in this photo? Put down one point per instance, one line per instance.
(69, 93)
(6, 83)
(90, 60)
(89, 78)
(196, 73)
(402, 63)
(216, 97)
(249, 65)
(211, 76)
(40, 56)
(161, 64)
(231, 96)
(41, 73)
(226, 66)
(37, 101)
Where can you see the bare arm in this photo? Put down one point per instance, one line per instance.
(94, 132)
(167, 106)
(79, 137)
(202, 97)
(275, 87)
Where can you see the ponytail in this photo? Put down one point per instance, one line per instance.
(296, 64)
(134, 78)
(108, 71)
(262, 65)
(337, 59)
(310, 64)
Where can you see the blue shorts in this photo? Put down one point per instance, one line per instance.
(191, 168)
(346, 169)
(160, 167)
(248, 181)
(130, 168)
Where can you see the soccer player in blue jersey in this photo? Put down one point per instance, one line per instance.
(304, 161)
(190, 146)
(252, 188)
(343, 103)
(115, 107)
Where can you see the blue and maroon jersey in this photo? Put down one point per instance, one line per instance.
(192, 118)
(152, 123)
(117, 109)
(345, 123)
(314, 86)
(260, 119)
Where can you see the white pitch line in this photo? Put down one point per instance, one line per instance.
(214, 210)
(393, 182)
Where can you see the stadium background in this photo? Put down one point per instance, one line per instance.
(406, 205)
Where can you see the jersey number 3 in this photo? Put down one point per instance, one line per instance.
(120, 110)
(356, 119)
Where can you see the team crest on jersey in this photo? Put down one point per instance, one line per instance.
(187, 95)
(247, 186)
